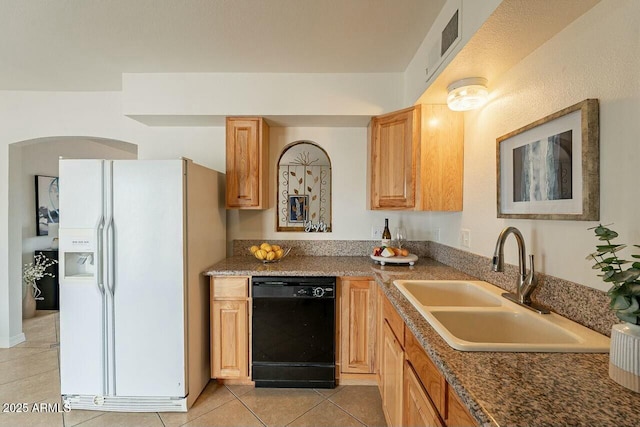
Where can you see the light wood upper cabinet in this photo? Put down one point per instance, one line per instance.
(393, 143)
(358, 320)
(415, 160)
(247, 152)
(230, 328)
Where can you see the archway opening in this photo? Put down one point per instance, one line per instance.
(32, 228)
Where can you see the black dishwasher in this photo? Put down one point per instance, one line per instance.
(293, 332)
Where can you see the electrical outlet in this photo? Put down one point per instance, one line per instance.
(376, 232)
(465, 237)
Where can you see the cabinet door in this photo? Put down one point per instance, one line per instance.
(230, 339)
(441, 159)
(394, 149)
(358, 323)
(418, 409)
(380, 297)
(247, 163)
(392, 365)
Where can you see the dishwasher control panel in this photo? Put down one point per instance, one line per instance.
(317, 291)
(294, 287)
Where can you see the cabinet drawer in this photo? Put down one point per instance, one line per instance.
(229, 287)
(430, 377)
(395, 321)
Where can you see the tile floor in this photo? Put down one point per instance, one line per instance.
(29, 373)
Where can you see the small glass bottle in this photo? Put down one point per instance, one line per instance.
(386, 234)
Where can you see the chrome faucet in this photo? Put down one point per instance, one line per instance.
(526, 283)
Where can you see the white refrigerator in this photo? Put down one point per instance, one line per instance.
(135, 237)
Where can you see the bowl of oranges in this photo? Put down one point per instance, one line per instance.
(267, 252)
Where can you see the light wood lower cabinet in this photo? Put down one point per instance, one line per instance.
(358, 307)
(418, 409)
(380, 299)
(392, 366)
(457, 414)
(414, 392)
(230, 328)
(230, 339)
(429, 376)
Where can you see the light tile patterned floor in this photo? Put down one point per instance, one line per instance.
(29, 373)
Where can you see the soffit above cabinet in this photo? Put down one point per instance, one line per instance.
(514, 30)
(285, 99)
(273, 121)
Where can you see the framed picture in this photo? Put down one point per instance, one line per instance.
(47, 210)
(298, 208)
(550, 169)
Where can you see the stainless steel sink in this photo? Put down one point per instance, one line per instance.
(473, 316)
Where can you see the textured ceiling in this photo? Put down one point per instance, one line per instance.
(88, 44)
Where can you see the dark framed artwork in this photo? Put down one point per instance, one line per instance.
(47, 203)
(550, 169)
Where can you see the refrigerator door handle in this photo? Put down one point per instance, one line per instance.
(98, 258)
(100, 281)
(108, 200)
(110, 257)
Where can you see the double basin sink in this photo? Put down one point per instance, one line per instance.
(473, 316)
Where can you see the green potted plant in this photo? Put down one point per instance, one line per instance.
(623, 275)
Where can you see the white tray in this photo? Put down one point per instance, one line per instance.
(409, 259)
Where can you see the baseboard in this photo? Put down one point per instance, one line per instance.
(234, 381)
(8, 342)
(357, 379)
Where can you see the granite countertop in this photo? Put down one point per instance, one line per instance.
(498, 388)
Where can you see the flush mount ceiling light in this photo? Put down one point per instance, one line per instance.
(467, 94)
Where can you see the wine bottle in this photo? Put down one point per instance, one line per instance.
(386, 234)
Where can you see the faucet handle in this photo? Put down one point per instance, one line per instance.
(532, 270)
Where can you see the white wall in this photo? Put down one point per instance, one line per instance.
(41, 158)
(261, 94)
(598, 56)
(31, 115)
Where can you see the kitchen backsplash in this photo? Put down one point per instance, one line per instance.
(587, 306)
(326, 247)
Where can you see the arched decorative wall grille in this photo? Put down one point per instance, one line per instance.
(304, 188)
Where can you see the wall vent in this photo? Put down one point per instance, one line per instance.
(449, 34)
(443, 42)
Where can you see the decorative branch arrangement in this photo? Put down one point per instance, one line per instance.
(34, 271)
